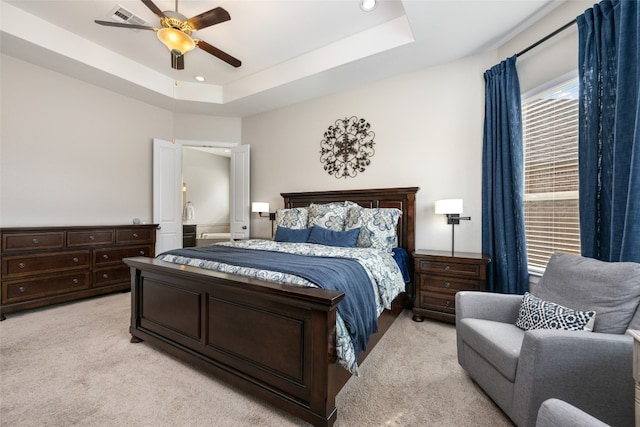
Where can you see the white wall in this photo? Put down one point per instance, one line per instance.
(76, 154)
(428, 127)
(73, 153)
(206, 177)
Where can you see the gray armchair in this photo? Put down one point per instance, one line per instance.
(521, 369)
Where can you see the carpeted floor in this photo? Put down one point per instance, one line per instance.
(73, 364)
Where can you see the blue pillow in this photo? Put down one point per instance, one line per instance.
(292, 235)
(324, 236)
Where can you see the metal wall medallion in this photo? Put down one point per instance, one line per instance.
(347, 147)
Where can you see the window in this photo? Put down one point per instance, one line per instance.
(550, 137)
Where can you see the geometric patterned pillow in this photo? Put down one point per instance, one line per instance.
(535, 313)
(295, 218)
(378, 226)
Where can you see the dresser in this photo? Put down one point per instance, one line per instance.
(439, 275)
(48, 265)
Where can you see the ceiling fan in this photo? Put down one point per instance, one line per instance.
(176, 32)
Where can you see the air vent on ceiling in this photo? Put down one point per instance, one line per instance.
(119, 13)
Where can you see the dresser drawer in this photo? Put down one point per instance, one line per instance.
(448, 285)
(14, 242)
(44, 263)
(134, 235)
(17, 291)
(115, 255)
(90, 238)
(438, 302)
(111, 275)
(454, 268)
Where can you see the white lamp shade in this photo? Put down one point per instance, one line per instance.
(449, 206)
(259, 207)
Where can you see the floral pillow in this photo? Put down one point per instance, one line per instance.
(294, 218)
(330, 215)
(378, 226)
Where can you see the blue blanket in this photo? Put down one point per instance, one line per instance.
(357, 309)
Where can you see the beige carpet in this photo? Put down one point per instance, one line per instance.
(73, 364)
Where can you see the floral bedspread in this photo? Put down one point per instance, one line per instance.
(385, 275)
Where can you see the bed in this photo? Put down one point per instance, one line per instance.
(275, 341)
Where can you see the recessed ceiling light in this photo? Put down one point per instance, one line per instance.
(368, 5)
(199, 78)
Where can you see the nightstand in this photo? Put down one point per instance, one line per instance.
(439, 275)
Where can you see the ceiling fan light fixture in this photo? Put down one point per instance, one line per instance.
(176, 41)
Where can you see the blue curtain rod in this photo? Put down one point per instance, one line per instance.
(547, 37)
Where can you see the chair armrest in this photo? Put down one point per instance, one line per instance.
(589, 370)
(488, 306)
(554, 413)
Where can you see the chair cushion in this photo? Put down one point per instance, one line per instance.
(611, 289)
(498, 343)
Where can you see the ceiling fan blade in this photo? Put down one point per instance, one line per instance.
(151, 5)
(219, 54)
(177, 62)
(208, 18)
(118, 24)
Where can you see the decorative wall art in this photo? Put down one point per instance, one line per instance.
(347, 147)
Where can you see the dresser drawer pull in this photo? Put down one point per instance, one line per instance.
(35, 241)
(135, 235)
(447, 304)
(21, 289)
(105, 256)
(22, 265)
(75, 281)
(141, 252)
(447, 268)
(75, 259)
(447, 285)
(92, 238)
(105, 276)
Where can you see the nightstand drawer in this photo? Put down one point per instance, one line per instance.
(446, 284)
(438, 302)
(446, 267)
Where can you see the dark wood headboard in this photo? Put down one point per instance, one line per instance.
(400, 198)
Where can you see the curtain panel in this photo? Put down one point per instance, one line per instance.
(609, 131)
(503, 233)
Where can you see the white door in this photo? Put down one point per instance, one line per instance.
(167, 200)
(240, 198)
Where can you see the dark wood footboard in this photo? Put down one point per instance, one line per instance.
(275, 341)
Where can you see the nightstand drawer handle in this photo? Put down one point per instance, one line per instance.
(22, 265)
(35, 241)
(447, 268)
(447, 285)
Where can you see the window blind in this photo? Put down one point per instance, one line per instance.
(550, 137)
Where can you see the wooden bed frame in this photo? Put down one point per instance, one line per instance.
(274, 341)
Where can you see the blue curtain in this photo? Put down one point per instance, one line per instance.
(503, 237)
(609, 132)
